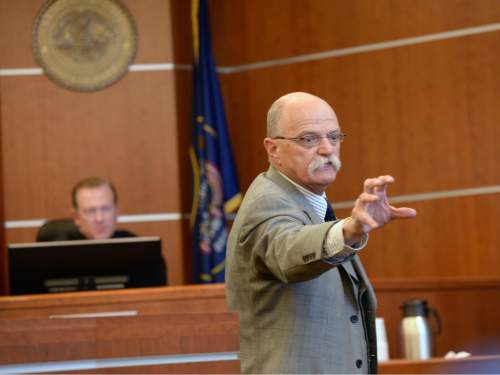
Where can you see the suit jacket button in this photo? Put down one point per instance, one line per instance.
(354, 319)
(359, 363)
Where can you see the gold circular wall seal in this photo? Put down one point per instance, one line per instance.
(84, 45)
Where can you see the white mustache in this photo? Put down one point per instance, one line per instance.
(321, 161)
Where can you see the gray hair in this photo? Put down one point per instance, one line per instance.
(273, 117)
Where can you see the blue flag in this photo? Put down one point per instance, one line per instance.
(215, 184)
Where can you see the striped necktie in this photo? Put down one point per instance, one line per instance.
(329, 215)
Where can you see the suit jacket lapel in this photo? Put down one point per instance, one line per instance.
(359, 270)
(294, 193)
(364, 281)
(348, 266)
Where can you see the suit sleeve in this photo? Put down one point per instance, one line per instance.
(284, 244)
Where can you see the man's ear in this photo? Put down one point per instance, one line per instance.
(271, 147)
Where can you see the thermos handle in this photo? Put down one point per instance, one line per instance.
(438, 320)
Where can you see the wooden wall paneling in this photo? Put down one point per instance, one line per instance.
(406, 108)
(21, 235)
(122, 133)
(183, 54)
(287, 28)
(16, 22)
(184, 116)
(417, 113)
(154, 24)
(146, 301)
(215, 367)
(452, 237)
(152, 17)
(169, 320)
(181, 30)
(127, 132)
(183, 99)
(425, 113)
(468, 308)
(129, 147)
(246, 109)
(474, 365)
(410, 120)
(46, 340)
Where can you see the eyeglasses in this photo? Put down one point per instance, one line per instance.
(103, 210)
(311, 140)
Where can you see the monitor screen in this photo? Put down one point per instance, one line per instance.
(69, 266)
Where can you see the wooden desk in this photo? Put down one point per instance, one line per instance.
(181, 329)
(469, 309)
(471, 365)
(158, 300)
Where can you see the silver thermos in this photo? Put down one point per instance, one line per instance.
(417, 335)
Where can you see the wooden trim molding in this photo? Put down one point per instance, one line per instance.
(218, 292)
(139, 296)
(408, 285)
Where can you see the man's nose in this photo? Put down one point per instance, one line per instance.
(325, 147)
(98, 215)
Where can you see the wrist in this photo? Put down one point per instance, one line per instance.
(352, 231)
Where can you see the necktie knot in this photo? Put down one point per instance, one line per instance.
(329, 215)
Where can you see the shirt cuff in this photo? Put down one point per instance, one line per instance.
(335, 250)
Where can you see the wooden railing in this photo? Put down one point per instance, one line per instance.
(175, 327)
(158, 300)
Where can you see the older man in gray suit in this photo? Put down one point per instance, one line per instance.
(293, 274)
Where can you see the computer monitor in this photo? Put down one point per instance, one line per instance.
(69, 266)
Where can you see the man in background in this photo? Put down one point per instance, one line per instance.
(95, 209)
(95, 214)
(293, 274)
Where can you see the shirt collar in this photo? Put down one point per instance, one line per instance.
(318, 202)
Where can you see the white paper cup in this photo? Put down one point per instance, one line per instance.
(382, 345)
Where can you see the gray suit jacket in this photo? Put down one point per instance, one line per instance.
(298, 313)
